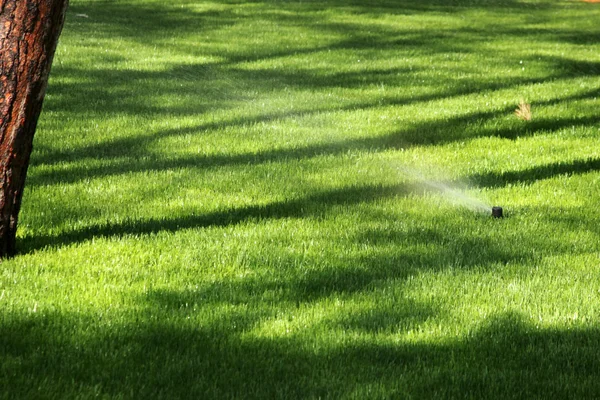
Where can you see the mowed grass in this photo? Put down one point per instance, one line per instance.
(241, 200)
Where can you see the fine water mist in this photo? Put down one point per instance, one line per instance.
(454, 193)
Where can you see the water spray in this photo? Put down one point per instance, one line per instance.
(452, 192)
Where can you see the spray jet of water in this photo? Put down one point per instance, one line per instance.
(451, 192)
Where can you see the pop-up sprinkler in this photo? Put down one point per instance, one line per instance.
(497, 212)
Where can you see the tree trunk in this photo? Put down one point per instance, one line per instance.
(29, 31)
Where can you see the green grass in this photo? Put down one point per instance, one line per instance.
(226, 200)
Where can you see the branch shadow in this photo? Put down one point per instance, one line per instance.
(131, 154)
(310, 206)
(531, 175)
(506, 357)
(109, 88)
(155, 351)
(293, 279)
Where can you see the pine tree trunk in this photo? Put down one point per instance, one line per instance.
(29, 31)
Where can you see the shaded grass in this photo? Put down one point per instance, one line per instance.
(246, 199)
(506, 357)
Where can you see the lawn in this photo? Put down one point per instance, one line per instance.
(280, 199)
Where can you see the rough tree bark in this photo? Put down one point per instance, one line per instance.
(29, 31)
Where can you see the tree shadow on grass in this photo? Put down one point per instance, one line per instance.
(454, 245)
(531, 175)
(157, 352)
(428, 132)
(171, 357)
(106, 89)
(147, 23)
(131, 154)
(394, 256)
(366, 257)
(311, 206)
(109, 88)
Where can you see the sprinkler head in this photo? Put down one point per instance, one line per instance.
(497, 212)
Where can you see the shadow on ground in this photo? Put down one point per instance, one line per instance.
(131, 154)
(204, 88)
(214, 347)
(507, 357)
(531, 175)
